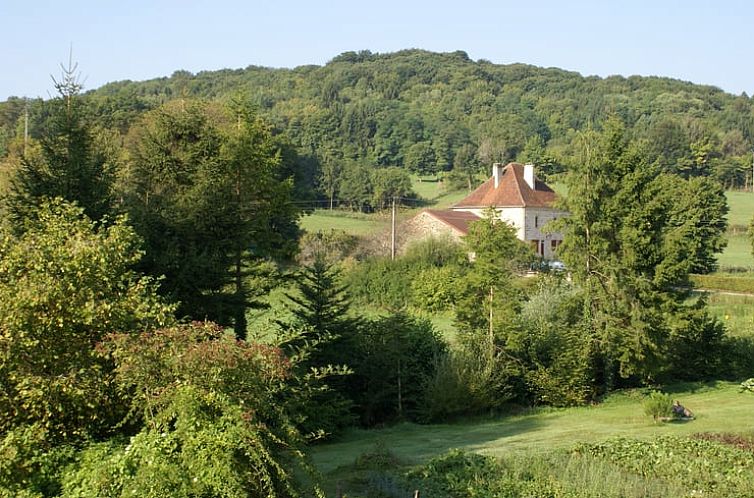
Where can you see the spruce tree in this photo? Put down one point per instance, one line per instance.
(70, 165)
(320, 307)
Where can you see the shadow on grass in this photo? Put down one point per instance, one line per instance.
(414, 444)
(691, 387)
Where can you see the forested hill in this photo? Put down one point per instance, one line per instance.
(426, 111)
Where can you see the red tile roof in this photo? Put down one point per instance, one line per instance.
(458, 220)
(512, 191)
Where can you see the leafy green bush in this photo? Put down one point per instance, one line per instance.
(65, 283)
(393, 360)
(30, 464)
(390, 284)
(705, 468)
(457, 474)
(739, 357)
(213, 420)
(466, 382)
(658, 405)
(555, 346)
(695, 345)
(434, 289)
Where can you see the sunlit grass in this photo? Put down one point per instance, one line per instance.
(741, 206)
(719, 407)
(736, 312)
(325, 220)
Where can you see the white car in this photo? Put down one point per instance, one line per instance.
(556, 265)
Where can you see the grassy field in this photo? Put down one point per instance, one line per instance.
(736, 312)
(741, 208)
(356, 224)
(737, 254)
(429, 189)
(718, 407)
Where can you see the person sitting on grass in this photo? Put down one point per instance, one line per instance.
(680, 411)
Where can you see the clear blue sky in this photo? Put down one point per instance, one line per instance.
(701, 41)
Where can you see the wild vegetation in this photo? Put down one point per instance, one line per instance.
(141, 235)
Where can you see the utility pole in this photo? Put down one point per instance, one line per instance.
(752, 171)
(392, 234)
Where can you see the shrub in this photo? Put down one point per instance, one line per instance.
(658, 406)
(434, 289)
(465, 382)
(388, 284)
(213, 420)
(65, 283)
(394, 358)
(555, 346)
(702, 467)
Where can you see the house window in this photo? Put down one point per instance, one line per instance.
(536, 221)
(535, 245)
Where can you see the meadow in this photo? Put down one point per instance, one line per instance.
(431, 192)
(573, 451)
(547, 435)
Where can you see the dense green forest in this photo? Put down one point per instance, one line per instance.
(429, 112)
(143, 224)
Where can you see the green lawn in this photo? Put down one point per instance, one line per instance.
(719, 407)
(356, 224)
(741, 208)
(737, 254)
(362, 224)
(736, 312)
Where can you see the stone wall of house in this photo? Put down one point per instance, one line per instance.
(423, 226)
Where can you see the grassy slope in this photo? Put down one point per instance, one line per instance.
(719, 408)
(367, 224)
(741, 208)
(325, 220)
(736, 312)
(738, 253)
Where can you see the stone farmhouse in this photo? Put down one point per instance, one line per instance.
(517, 196)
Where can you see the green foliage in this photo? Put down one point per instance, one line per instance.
(633, 237)
(705, 467)
(74, 163)
(467, 382)
(658, 406)
(325, 339)
(30, 466)
(388, 184)
(435, 289)
(64, 284)
(213, 420)
(458, 474)
(393, 284)
(696, 344)
(554, 345)
(489, 283)
(393, 360)
(206, 189)
(421, 159)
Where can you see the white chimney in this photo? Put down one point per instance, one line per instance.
(529, 175)
(497, 173)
